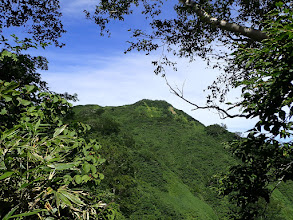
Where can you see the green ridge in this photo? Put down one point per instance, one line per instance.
(161, 161)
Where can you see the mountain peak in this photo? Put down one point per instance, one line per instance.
(153, 103)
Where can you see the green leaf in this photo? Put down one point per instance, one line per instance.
(279, 4)
(62, 166)
(15, 93)
(85, 178)
(72, 197)
(101, 160)
(93, 168)
(7, 98)
(59, 131)
(101, 176)
(63, 199)
(96, 147)
(7, 216)
(3, 111)
(31, 109)
(30, 87)
(36, 211)
(2, 165)
(86, 167)
(78, 179)
(37, 125)
(55, 99)
(5, 53)
(24, 102)
(6, 174)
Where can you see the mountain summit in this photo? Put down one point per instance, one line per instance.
(161, 162)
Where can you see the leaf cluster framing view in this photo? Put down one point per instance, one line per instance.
(50, 162)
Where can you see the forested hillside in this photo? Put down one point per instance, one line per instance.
(160, 162)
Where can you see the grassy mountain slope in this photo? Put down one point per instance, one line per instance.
(163, 159)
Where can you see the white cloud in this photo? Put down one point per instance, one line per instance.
(125, 79)
(75, 7)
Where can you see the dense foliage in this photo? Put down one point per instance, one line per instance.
(266, 81)
(47, 168)
(40, 17)
(166, 161)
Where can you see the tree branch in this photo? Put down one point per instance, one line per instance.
(223, 113)
(238, 39)
(251, 33)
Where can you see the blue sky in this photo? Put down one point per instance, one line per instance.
(97, 69)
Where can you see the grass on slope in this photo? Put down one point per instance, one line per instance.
(174, 158)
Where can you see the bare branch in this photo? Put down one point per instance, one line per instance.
(223, 113)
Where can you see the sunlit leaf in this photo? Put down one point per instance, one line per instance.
(59, 130)
(34, 212)
(86, 167)
(78, 179)
(62, 166)
(73, 198)
(6, 175)
(10, 213)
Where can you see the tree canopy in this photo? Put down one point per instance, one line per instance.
(193, 27)
(47, 168)
(40, 19)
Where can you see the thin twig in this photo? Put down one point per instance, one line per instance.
(223, 113)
